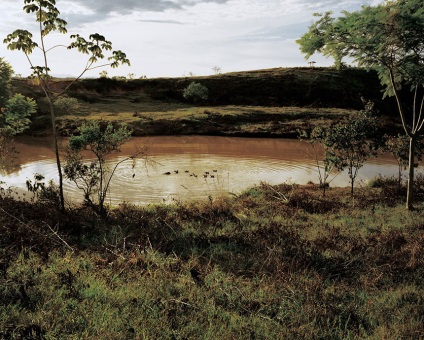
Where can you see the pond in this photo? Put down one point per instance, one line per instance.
(233, 165)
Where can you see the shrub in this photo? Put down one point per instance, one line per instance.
(382, 181)
(66, 105)
(196, 92)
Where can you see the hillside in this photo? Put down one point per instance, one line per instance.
(318, 87)
(157, 106)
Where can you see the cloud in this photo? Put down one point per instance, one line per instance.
(107, 7)
(84, 12)
(280, 33)
(174, 22)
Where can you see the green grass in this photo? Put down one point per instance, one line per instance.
(251, 266)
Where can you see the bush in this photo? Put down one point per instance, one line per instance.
(196, 92)
(66, 105)
(18, 111)
(382, 181)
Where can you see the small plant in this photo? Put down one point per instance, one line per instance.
(196, 92)
(41, 191)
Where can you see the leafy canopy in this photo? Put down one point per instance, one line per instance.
(100, 141)
(388, 38)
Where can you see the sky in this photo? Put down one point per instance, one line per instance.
(174, 38)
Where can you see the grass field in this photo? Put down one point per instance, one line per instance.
(275, 262)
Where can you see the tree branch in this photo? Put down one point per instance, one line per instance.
(400, 108)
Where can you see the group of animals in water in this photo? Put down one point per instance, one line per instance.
(206, 174)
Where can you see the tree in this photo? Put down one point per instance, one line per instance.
(348, 145)
(216, 70)
(47, 17)
(103, 74)
(388, 38)
(6, 72)
(18, 110)
(14, 116)
(94, 176)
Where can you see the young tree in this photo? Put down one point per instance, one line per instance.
(47, 17)
(388, 38)
(94, 176)
(320, 137)
(348, 145)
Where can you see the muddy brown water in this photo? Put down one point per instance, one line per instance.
(233, 164)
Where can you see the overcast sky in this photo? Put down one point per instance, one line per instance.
(176, 37)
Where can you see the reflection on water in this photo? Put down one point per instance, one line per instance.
(234, 164)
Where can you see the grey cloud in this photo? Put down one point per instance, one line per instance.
(127, 6)
(103, 8)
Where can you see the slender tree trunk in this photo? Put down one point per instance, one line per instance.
(409, 195)
(56, 147)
